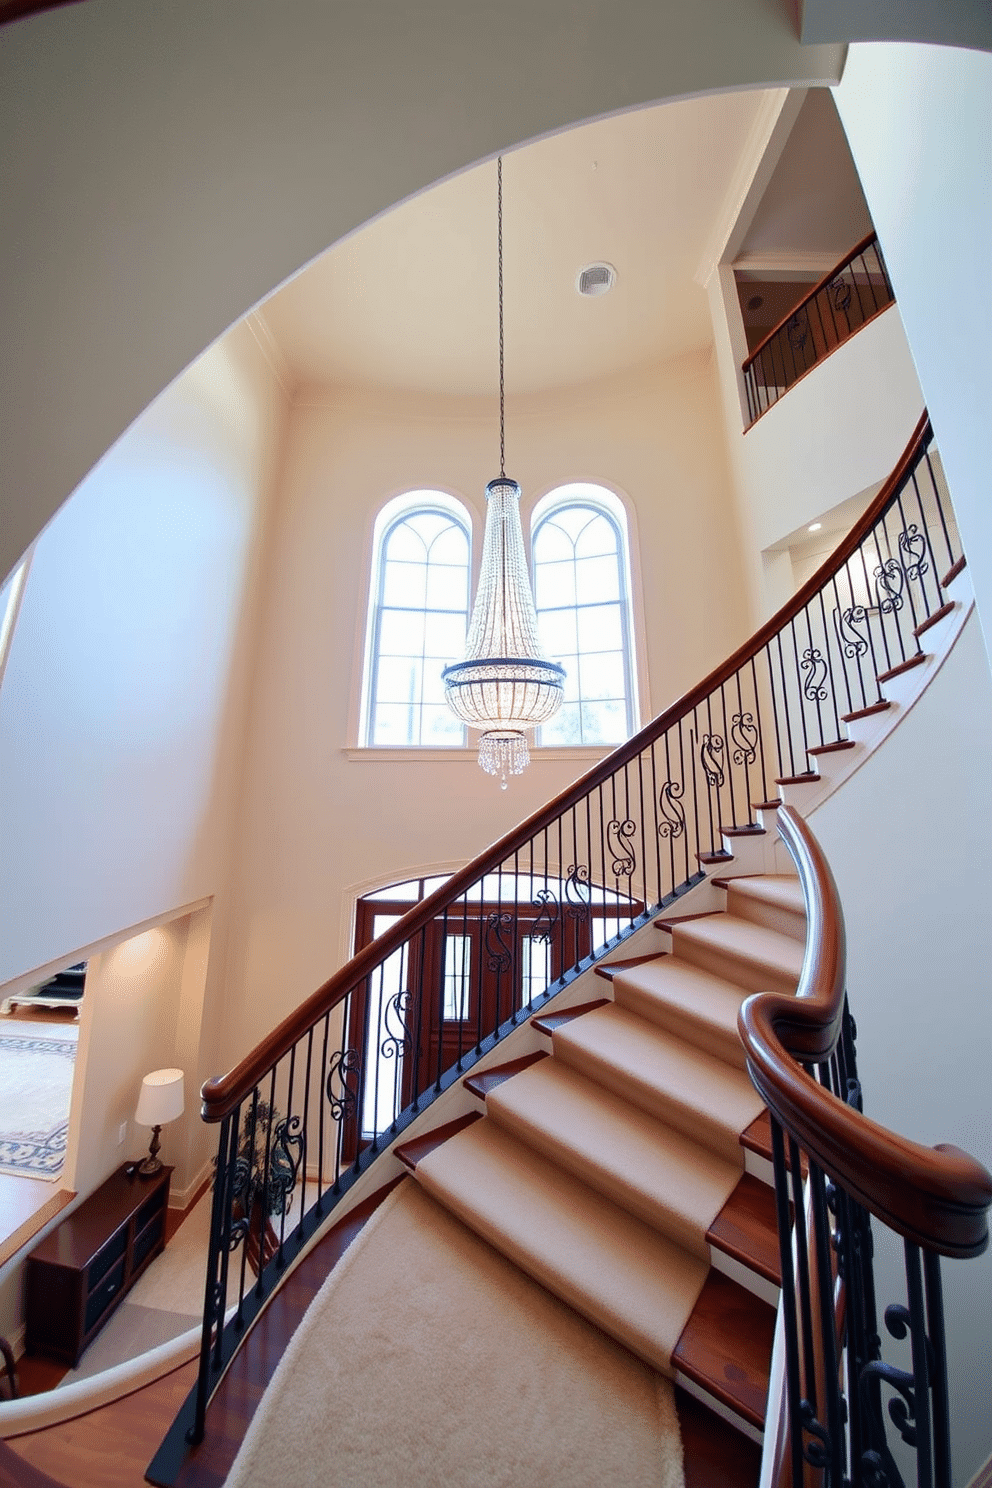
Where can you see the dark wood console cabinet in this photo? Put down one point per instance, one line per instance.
(78, 1274)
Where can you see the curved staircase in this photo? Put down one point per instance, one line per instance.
(612, 1169)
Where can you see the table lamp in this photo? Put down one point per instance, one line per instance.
(160, 1101)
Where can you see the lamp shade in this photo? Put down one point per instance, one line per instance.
(161, 1098)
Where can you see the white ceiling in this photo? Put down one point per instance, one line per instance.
(409, 301)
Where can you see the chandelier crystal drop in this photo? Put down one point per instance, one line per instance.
(505, 684)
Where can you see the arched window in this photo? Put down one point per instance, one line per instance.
(582, 595)
(418, 619)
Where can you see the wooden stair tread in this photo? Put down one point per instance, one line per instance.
(879, 707)
(808, 777)
(904, 666)
(548, 1022)
(833, 748)
(757, 1138)
(413, 1152)
(714, 1455)
(751, 830)
(609, 969)
(747, 1229)
(953, 571)
(482, 1081)
(714, 857)
(766, 805)
(673, 920)
(726, 1347)
(924, 625)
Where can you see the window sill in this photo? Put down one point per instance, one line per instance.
(416, 754)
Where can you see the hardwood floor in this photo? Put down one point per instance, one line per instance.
(110, 1447)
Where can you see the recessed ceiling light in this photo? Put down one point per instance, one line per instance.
(596, 279)
(755, 302)
(814, 526)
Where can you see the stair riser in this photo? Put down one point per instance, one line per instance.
(740, 969)
(680, 1022)
(771, 916)
(689, 1120)
(718, 1408)
(744, 1276)
(607, 1183)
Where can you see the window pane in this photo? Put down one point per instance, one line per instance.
(399, 680)
(450, 547)
(444, 636)
(535, 968)
(381, 1101)
(604, 723)
(565, 728)
(394, 724)
(433, 683)
(554, 585)
(597, 579)
(405, 545)
(581, 622)
(401, 633)
(404, 584)
(557, 631)
(552, 544)
(457, 969)
(600, 629)
(597, 537)
(447, 587)
(440, 727)
(601, 676)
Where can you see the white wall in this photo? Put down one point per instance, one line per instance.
(122, 704)
(919, 122)
(907, 839)
(318, 824)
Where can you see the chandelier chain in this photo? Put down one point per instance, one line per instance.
(499, 240)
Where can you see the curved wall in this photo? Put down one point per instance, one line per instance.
(166, 166)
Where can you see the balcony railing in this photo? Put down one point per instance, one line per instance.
(844, 301)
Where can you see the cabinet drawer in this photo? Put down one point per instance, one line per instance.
(101, 1264)
(103, 1295)
(146, 1242)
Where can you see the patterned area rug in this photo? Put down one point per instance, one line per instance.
(36, 1068)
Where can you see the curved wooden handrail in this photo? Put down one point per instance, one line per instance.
(937, 1197)
(221, 1095)
(828, 278)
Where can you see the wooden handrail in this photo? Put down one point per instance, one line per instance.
(937, 1197)
(827, 279)
(221, 1095)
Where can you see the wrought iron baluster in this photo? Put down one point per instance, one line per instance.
(951, 554)
(789, 1318)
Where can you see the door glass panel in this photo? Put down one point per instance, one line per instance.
(381, 1099)
(457, 971)
(535, 968)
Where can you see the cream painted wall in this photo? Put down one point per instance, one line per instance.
(121, 712)
(802, 457)
(919, 121)
(318, 825)
(166, 166)
(907, 839)
(129, 1026)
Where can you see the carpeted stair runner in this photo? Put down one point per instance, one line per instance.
(428, 1358)
(612, 1172)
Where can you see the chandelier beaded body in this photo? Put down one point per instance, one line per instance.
(505, 684)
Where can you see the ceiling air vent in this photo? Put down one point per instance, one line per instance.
(596, 279)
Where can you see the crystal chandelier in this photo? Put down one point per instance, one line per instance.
(504, 685)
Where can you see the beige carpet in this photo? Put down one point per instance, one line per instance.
(428, 1358)
(37, 1061)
